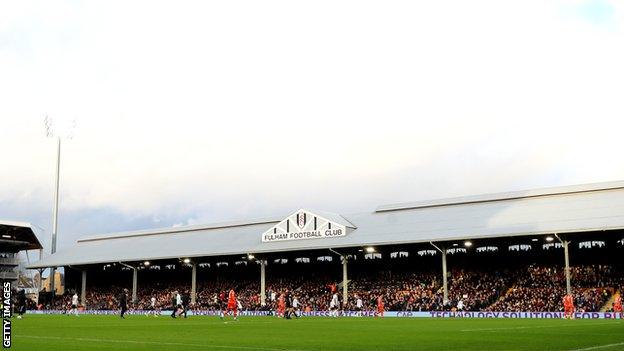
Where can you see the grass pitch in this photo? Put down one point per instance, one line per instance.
(89, 332)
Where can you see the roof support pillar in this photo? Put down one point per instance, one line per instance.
(566, 255)
(444, 278)
(263, 282)
(566, 244)
(345, 282)
(52, 282)
(83, 291)
(135, 274)
(194, 284)
(40, 287)
(444, 273)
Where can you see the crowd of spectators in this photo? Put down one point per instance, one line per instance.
(533, 288)
(542, 288)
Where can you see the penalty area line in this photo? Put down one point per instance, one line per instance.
(155, 343)
(600, 347)
(537, 327)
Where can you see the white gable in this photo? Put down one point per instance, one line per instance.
(306, 225)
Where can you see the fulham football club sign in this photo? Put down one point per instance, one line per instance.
(305, 225)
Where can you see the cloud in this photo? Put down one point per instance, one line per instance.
(597, 11)
(196, 112)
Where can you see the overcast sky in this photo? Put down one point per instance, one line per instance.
(195, 112)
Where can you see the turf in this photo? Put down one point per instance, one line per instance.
(70, 333)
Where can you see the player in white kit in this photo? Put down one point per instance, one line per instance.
(152, 311)
(359, 304)
(74, 305)
(334, 305)
(295, 305)
(179, 307)
(239, 305)
(460, 305)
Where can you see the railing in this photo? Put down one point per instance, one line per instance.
(8, 275)
(12, 261)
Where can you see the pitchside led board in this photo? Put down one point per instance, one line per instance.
(303, 225)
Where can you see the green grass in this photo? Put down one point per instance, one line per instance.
(70, 333)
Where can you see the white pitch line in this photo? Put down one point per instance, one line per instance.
(538, 327)
(156, 343)
(599, 347)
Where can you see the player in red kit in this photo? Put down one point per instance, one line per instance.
(281, 305)
(232, 305)
(380, 306)
(332, 288)
(568, 306)
(617, 305)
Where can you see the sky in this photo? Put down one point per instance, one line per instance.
(190, 112)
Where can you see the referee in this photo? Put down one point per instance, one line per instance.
(21, 303)
(174, 304)
(289, 305)
(186, 301)
(123, 302)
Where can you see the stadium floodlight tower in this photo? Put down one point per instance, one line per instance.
(51, 133)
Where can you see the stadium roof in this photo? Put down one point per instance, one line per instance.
(16, 236)
(570, 209)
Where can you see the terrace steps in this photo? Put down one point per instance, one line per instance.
(609, 302)
(502, 296)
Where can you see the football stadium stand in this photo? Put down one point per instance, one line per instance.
(516, 251)
(14, 237)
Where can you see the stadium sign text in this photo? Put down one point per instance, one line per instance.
(303, 225)
(328, 233)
